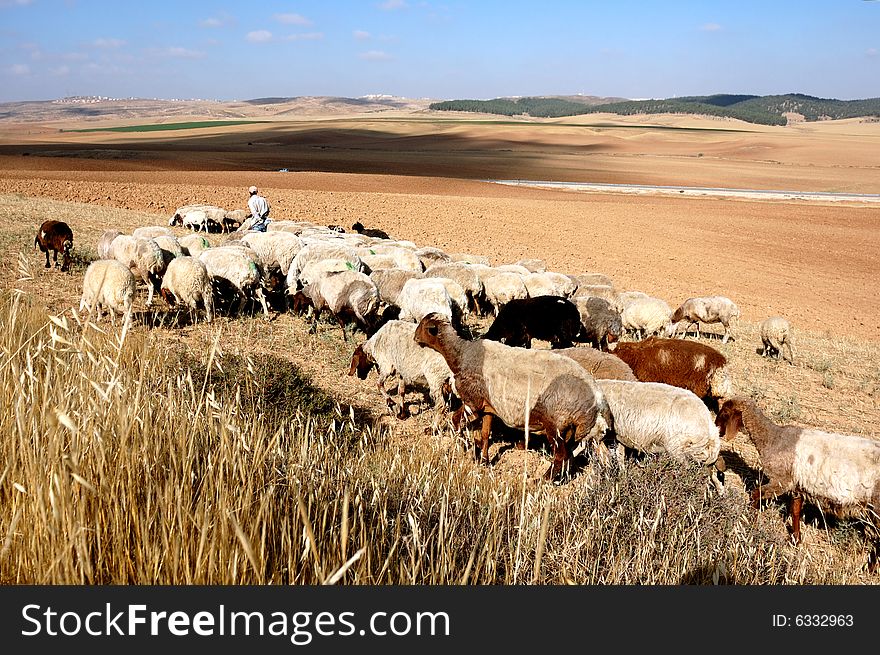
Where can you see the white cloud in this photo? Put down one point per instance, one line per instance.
(306, 36)
(60, 71)
(375, 55)
(259, 36)
(74, 56)
(391, 5)
(710, 27)
(221, 20)
(108, 43)
(211, 22)
(182, 53)
(20, 69)
(15, 3)
(292, 19)
(361, 35)
(872, 52)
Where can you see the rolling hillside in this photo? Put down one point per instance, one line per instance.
(766, 110)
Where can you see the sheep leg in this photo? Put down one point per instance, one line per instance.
(790, 355)
(795, 505)
(262, 298)
(401, 394)
(483, 454)
(762, 492)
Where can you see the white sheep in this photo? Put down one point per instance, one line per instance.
(430, 255)
(186, 280)
(422, 296)
(601, 321)
(533, 265)
(276, 249)
(151, 231)
(170, 246)
(193, 244)
(465, 275)
(315, 250)
(104, 243)
(235, 267)
(776, 337)
(524, 388)
(108, 284)
(840, 473)
(502, 287)
(393, 351)
(706, 309)
(652, 417)
(400, 257)
(549, 283)
(647, 316)
(390, 283)
(350, 296)
(143, 257)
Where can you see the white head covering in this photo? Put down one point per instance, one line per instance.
(252, 190)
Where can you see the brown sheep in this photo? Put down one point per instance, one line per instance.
(55, 236)
(687, 364)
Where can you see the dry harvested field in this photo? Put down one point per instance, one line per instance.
(420, 177)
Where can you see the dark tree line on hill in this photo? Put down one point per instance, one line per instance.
(765, 110)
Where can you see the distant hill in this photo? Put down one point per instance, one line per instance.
(95, 108)
(766, 110)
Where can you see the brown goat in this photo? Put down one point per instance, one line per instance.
(55, 236)
(687, 364)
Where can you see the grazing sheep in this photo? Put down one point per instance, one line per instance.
(236, 268)
(313, 251)
(502, 288)
(469, 258)
(526, 389)
(533, 265)
(55, 236)
(350, 296)
(276, 249)
(519, 269)
(393, 351)
(708, 309)
(150, 231)
(186, 280)
(465, 275)
(687, 364)
(198, 217)
(549, 318)
(422, 296)
(370, 232)
(193, 244)
(644, 317)
(430, 255)
(398, 257)
(104, 243)
(232, 220)
(144, 257)
(601, 321)
(652, 417)
(776, 337)
(170, 246)
(589, 279)
(604, 291)
(390, 283)
(549, 283)
(840, 473)
(108, 284)
(598, 364)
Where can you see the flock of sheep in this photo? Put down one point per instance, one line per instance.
(619, 371)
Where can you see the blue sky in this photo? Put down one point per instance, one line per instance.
(437, 49)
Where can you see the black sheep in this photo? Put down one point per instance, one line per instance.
(369, 232)
(549, 318)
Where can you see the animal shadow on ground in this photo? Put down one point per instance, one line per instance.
(273, 388)
(710, 336)
(811, 514)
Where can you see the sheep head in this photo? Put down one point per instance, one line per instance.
(67, 259)
(361, 363)
(429, 330)
(729, 419)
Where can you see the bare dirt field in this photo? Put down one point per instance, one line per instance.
(421, 177)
